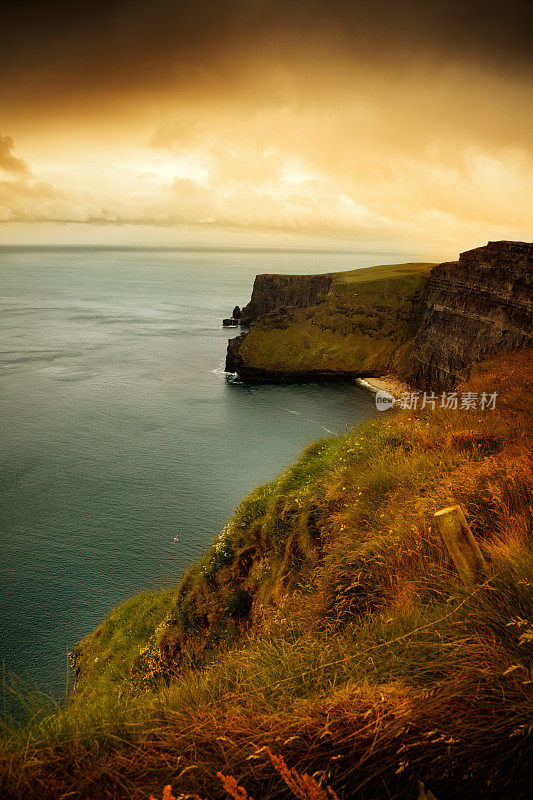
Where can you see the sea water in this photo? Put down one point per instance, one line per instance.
(125, 448)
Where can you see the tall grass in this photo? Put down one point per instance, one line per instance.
(328, 625)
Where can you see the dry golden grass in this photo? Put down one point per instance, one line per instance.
(363, 660)
(303, 787)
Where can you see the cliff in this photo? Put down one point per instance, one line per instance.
(428, 327)
(274, 291)
(471, 308)
(352, 330)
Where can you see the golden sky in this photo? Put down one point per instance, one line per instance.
(392, 124)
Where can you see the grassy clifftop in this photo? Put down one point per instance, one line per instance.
(327, 623)
(355, 329)
(404, 276)
(427, 326)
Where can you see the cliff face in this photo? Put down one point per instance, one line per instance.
(428, 330)
(471, 308)
(234, 361)
(305, 333)
(334, 572)
(274, 291)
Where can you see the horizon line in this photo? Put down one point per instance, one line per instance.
(194, 248)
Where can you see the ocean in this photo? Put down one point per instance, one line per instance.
(125, 447)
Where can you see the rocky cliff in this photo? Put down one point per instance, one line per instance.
(428, 327)
(471, 308)
(274, 291)
(307, 333)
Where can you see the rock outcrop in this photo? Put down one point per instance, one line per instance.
(234, 361)
(274, 291)
(426, 327)
(351, 331)
(470, 309)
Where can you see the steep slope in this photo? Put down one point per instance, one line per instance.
(273, 291)
(351, 331)
(471, 308)
(378, 320)
(327, 623)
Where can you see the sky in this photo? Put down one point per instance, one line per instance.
(393, 124)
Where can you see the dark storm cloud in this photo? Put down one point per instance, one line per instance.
(9, 162)
(50, 50)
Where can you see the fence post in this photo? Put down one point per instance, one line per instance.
(463, 548)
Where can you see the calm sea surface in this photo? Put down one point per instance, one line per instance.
(120, 433)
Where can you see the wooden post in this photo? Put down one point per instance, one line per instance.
(462, 546)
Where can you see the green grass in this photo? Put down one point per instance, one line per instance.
(357, 328)
(327, 623)
(350, 280)
(106, 655)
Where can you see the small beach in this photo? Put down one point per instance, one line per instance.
(386, 383)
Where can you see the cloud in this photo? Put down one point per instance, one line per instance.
(402, 117)
(35, 201)
(234, 48)
(296, 171)
(9, 162)
(26, 199)
(336, 159)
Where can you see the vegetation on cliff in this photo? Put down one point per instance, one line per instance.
(427, 326)
(328, 624)
(355, 329)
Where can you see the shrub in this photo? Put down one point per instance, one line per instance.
(238, 604)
